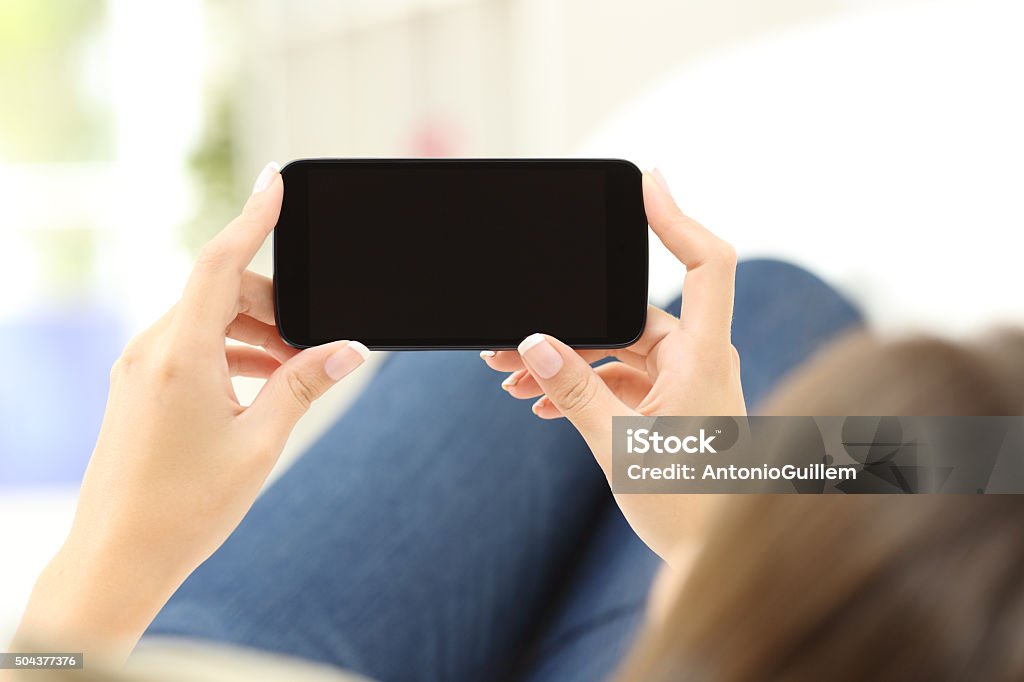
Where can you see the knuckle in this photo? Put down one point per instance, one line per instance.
(577, 395)
(213, 257)
(302, 388)
(266, 339)
(167, 368)
(129, 358)
(726, 253)
(245, 302)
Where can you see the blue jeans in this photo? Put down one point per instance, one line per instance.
(439, 531)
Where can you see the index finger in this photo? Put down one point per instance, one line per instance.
(211, 297)
(710, 262)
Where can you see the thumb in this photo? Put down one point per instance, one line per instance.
(576, 390)
(293, 386)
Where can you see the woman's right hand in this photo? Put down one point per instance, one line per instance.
(679, 366)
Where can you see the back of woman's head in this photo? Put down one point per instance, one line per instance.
(879, 587)
(863, 375)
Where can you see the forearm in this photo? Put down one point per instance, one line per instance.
(96, 598)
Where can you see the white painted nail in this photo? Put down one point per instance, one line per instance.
(266, 176)
(359, 348)
(540, 356)
(531, 341)
(660, 179)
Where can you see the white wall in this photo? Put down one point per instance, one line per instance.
(509, 77)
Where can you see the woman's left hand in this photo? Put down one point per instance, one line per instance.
(179, 460)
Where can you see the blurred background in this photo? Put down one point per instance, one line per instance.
(878, 142)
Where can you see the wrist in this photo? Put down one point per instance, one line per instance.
(97, 597)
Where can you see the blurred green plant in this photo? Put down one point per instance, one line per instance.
(212, 165)
(48, 113)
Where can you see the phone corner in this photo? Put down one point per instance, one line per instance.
(286, 337)
(628, 165)
(290, 164)
(639, 332)
(294, 344)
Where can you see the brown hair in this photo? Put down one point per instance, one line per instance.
(861, 587)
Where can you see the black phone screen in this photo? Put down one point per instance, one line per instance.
(458, 253)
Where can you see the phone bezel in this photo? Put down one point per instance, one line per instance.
(627, 262)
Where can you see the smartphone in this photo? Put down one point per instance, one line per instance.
(461, 253)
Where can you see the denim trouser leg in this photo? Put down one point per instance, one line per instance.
(415, 540)
(426, 535)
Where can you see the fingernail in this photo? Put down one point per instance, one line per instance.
(512, 379)
(537, 406)
(266, 176)
(487, 354)
(345, 359)
(660, 179)
(540, 356)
